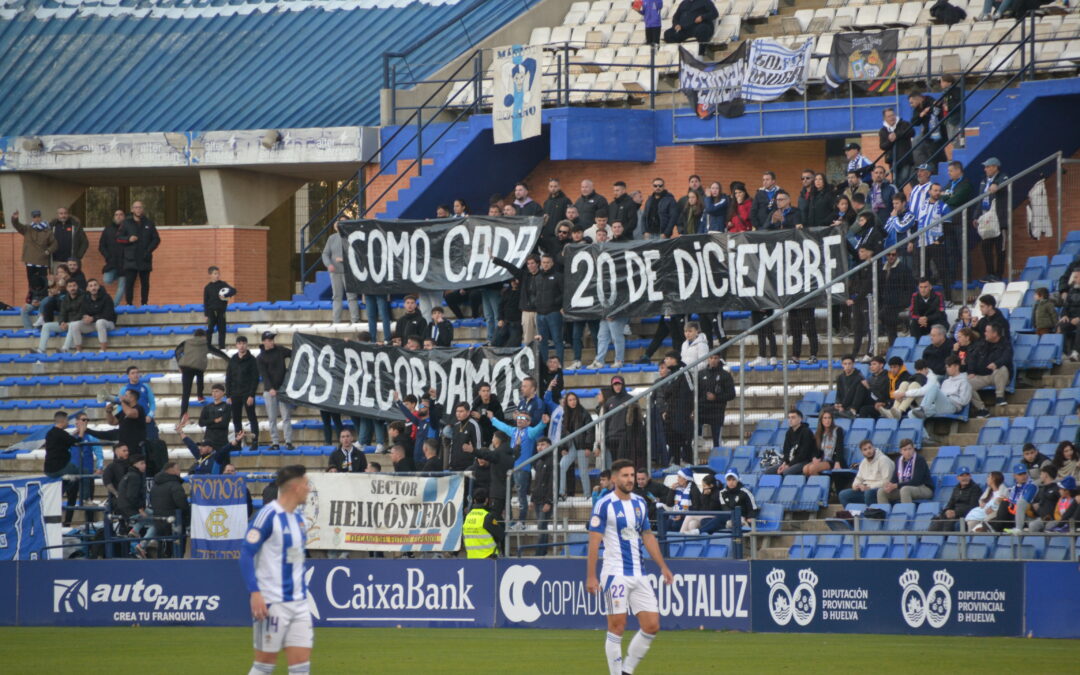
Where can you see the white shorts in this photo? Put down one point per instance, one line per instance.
(628, 595)
(287, 625)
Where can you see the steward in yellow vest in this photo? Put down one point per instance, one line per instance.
(482, 532)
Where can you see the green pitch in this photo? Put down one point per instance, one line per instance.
(208, 651)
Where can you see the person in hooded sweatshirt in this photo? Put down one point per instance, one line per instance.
(167, 497)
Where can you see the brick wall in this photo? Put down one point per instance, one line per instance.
(179, 263)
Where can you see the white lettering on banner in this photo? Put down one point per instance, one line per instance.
(580, 297)
(384, 252)
(301, 364)
(74, 595)
(414, 594)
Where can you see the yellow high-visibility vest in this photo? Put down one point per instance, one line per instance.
(478, 541)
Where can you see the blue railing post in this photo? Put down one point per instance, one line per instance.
(661, 531)
(736, 533)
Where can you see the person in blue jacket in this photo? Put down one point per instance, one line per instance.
(209, 461)
(523, 445)
(146, 399)
(1019, 501)
(714, 216)
(650, 10)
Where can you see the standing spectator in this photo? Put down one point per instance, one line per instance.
(933, 214)
(333, 257)
(957, 192)
(715, 388)
(439, 331)
(139, 237)
(241, 386)
(131, 503)
(527, 277)
(530, 401)
(112, 252)
(803, 322)
(70, 315)
(272, 369)
(875, 469)
(132, 423)
(98, 314)
(549, 319)
(896, 284)
(616, 428)
(861, 296)
(498, 462)
(952, 109)
(661, 212)
(167, 498)
(543, 487)
(650, 11)
(523, 439)
(1045, 316)
(484, 402)
(926, 113)
(821, 206)
(401, 460)
(927, 309)
(114, 473)
(993, 248)
(676, 403)
(964, 498)
(589, 203)
(347, 457)
(894, 139)
(764, 202)
(990, 362)
(432, 461)
(623, 209)
(766, 339)
(741, 206)
(191, 356)
(58, 445)
(464, 432)
(508, 333)
(411, 323)
(900, 223)
(378, 307)
(38, 244)
(693, 20)
(690, 214)
(611, 332)
(910, 478)
(523, 203)
(855, 185)
(693, 184)
(554, 213)
(574, 417)
(857, 163)
(694, 347)
(806, 184)
(880, 197)
(921, 190)
(71, 241)
(714, 216)
(800, 447)
(216, 296)
(144, 396)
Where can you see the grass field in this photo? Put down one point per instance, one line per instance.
(207, 651)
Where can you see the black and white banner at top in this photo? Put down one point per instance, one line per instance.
(772, 69)
(866, 59)
(713, 88)
(703, 273)
(409, 256)
(359, 378)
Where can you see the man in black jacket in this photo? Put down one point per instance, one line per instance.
(623, 209)
(214, 417)
(734, 494)
(996, 198)
(676, 410)
(98, 313)
(927, 309)
(764, 202)
(70, 313)
(402, 462)
(990, 362)
(484, 402)
(894, 139)
(500, 462)
(465, 437)
(910, 480)
(799, 447)
(523, 203)
(715, 388)
(991, 316)
(860, 295)
(114, 473)
(216, 296)
(965, 496)
(554, 212)
(241, 386)
(139, 237)
(58, 444)
(877, 387)
(542, 497)
(71, 241)
(850, 392)
(896, 283)
(549, 320)
(439, 330)
(527, 292)
(167, 497)
(411, 323)
(693, 20)
(347, 457)
(432, 461)
(939, 349)
(661, 212)
(131, 502)
(272, 369)
(588, 204)
(112, 252)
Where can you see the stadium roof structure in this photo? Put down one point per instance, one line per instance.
(131, 66)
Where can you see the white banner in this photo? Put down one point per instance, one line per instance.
(219, 516)
(772, 69)
(384, 512)
(517, 104)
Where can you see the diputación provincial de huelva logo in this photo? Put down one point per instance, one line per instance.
(800, 604)
(933, 607)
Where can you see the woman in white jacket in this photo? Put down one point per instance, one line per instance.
(978, 519)
(694, 347)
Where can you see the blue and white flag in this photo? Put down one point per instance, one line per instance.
(516, 107)
(384, 512)
(772, 69)
(29, 518)
(218, 516)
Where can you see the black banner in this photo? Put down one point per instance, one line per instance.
(714, 88)
(702, 273)
(408, 256)
(867, 59)
(359, 378)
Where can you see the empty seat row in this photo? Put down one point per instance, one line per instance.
(932, 547)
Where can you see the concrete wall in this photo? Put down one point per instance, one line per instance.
(179, 263)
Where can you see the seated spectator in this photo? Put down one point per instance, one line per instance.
(875, 470)
(908, 392)
(1067, 512)
(939, 349)
(910, 480)
(734, 494)
(68, 308)
(1045, 315)
(653, 491)
(1034, 460)
(964, 320)
(878, 389)
(679, 500)
(800, 447)
(1065, 460)
(947, 398)
(1070, 315)
(39, 290)
(830, 444)
(692, 20)
(705, 498)
(98, 314)
(964, 498)
(1016, 509)
(991, 317)
(990, 363)
(1045, 504)
(979, 518)
(927, 309)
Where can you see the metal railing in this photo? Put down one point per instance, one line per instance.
(781, 314)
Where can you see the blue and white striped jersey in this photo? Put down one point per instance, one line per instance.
(272, 557)
(621, 522)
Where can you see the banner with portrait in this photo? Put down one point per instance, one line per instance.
(517, 103)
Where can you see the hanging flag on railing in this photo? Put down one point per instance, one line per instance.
(772, 69)
(517, 105)
(713, 88)
(866, 59)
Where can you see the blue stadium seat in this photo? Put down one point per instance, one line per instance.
(993, 432)
(1057, 549)
(1033, 548)
(815, 494)
(1037, 267)
(769, 517)
(884, 436)
(718, 464)
(803, 547)
(902, 547)
(913, 428)
(929, 548)
(767, 487)
(974, 457)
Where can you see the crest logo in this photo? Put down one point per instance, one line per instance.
(933, 607)
(785, 605)
(215, 523)
(69, 595)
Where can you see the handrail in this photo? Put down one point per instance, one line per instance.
(779, 313)
(421, 125)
